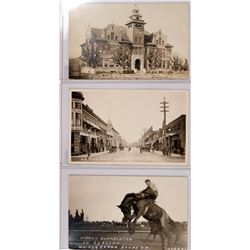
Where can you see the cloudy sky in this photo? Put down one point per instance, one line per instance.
(132, 111)
(99, 195)
(171, 18)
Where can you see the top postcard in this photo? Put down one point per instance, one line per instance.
(127, 41)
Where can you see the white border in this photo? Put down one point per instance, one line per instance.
(64, 44)
(65, 173)
(65, 157)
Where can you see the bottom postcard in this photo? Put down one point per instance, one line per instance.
(128, 212)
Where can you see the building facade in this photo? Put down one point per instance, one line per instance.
(89, 133)
(130, 47)
(174, 140)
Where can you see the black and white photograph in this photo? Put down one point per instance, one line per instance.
(127, 41)
(129, 126)
(128, 212)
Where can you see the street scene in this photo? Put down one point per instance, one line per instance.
(96, 221)
(126, 42)
(129, 126)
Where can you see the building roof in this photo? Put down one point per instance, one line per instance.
(98, 35)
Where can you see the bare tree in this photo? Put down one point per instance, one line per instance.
(121, 58)
(176, 63)
(90, 55)
(153, 59)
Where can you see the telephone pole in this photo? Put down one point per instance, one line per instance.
(164, 109)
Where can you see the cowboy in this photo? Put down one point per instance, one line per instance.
(150, 191)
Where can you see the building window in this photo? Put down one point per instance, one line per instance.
(116, 38)
(72, 118)
(159, 40)
(108, 37)
(136, 39)
(78, 105)
(156, 41)
(73, 105)
(78, 119)
(112, 35)
(140, 39)
(162, 41)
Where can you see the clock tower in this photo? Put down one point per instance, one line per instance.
(135, 33)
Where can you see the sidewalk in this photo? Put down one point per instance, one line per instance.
(85, 157)
(173, 155)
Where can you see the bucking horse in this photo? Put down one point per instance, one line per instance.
(148, 210)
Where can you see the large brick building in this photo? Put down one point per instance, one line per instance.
(130, 47)
(88, 131)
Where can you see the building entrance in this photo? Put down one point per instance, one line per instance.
(138, 64)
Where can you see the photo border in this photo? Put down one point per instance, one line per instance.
(64, 196)
(66, 126)
(64, 39)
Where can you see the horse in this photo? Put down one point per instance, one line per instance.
(175, 230)
(148, 210)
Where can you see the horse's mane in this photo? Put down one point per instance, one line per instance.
(129, 195)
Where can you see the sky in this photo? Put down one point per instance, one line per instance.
(171, 18)
(99, 196)
(132, 111)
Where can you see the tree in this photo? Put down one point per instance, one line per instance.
(121, 58)
(90, 55)
(153, 59)
(176, 63)
(185, 65)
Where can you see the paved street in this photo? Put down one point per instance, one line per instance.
(133, 156)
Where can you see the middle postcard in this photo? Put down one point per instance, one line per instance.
(129, 127)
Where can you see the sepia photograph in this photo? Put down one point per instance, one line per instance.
(112, 126)
(126, 41)
(128, 212)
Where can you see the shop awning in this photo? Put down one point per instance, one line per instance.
(92, 124)
(84, 134)
(172, 134)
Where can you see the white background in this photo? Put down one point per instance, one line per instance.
(29, 96)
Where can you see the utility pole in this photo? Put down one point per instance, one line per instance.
(164, 109)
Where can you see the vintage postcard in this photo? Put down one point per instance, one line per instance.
(128, 212)
(127, 41)
(129, 126)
